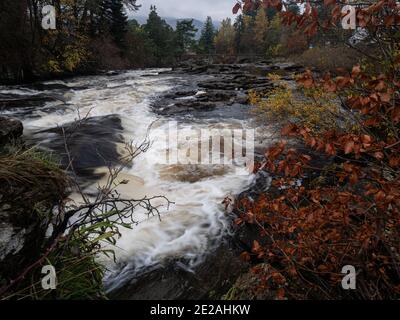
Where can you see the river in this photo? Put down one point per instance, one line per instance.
(119, 106)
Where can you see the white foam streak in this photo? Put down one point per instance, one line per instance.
(197, 220)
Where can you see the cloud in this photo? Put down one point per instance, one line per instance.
(198, 9)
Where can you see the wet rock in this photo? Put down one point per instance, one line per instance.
(87, 153)
(10, 129)
(25, 211)
(245, 287)
(191, 173)
(185, 107)
(294, 68)
(29, 191)
(13, 101)
(210, 280)
(180, 94)
(20, 241)
(220, 85)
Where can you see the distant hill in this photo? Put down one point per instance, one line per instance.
(172, 22)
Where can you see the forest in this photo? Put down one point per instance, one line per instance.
(96, 35)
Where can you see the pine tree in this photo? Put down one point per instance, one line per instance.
(293, 7)
(184, 36)
(239, 31)
(113, 20)
(247, 39)
(119, 24)
(271, 13)
(206, 42)
(161, 36)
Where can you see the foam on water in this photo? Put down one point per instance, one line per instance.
(196, 222)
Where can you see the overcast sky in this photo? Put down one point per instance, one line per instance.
(198, 9)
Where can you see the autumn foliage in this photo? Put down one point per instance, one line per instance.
(346, 210)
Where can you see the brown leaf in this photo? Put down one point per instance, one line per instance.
(236, 8)
(349, 147)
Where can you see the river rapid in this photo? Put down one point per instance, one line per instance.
(118, 108)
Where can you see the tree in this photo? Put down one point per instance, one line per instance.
(26, 50)
(274, 35)
(184, 36)
(247, 40)
(347, 209)
(114, 20)
(239, 31)
(261, 31)
(271, 13)
(139, 47)
(225, 38)
(17, 42)
(161, 36)
(206, 42)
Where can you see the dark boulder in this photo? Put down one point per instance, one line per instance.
(10, 129)
(211, 279)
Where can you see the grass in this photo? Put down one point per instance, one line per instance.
(30, 178)
(32, 184)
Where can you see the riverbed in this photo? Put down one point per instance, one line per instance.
(117, 108)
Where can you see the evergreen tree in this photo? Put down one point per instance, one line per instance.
(271, 13)
(206, 42)
(184, 36)
(161, 36)
(293, 7)
(239, 31)
(247, 39)
(114, 20)
(119, 22)
(140, 48)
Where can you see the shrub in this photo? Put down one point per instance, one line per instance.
(335, 199)
(328, 59)
(315, 108)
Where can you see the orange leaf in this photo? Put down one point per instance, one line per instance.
(349, 147)
(245, 256)
(256, 246)
(280, 294)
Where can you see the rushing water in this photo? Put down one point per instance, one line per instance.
(196, 222)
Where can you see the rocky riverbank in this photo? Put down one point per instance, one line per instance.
(30, 187)
(215, 92)
(205, 89)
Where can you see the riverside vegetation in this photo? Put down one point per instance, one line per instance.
(346, 210)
